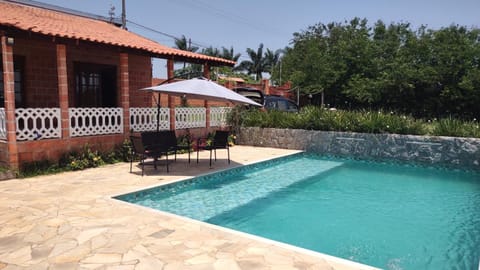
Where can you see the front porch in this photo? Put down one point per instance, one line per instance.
(60, 104)
(39, 130)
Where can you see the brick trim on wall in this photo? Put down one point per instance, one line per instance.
(9, 95)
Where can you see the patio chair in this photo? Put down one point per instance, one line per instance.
(138, 149)
(220, 141)
(156, 143)
(171, 140)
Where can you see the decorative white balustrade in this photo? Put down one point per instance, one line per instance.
(45, 123)
(3, 125)
(190, 117)
(219, 115)
(145, 119)
(37, 123)
(95, 121)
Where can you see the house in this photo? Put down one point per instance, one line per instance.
(284, 90)
(71, 79)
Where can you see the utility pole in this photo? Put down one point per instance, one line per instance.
(124, 16)
(280, 83)
(189, 48)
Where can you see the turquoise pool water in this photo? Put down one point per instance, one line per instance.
(386, 215)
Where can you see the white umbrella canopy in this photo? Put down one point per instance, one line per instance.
(201, 88)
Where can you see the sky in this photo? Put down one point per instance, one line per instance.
(247, 23)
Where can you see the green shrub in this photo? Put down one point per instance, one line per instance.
(184, 140)
(308, 118)
(121, 153)
(87, 158)
(79, 160)
(474, 128)
(29, 169)
(357, 121)
(382, 122)
(455, 127)
(317, 118)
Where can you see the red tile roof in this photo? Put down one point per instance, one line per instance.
(58, 24)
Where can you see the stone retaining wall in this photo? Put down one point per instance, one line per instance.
(446, 151)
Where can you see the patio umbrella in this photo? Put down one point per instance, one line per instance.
(201, 88)
(198, 88)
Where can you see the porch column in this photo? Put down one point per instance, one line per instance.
(206, 70)
(170, 69)
(171, 101)
(62, 78)
(9, 94)
(125, 92)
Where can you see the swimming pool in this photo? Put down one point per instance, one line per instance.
(393, 216)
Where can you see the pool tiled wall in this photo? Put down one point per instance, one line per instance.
(447, 151)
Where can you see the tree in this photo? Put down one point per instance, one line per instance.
(256, 65)
(272, 58)
(229, 54)
(184, 45)
(424, 72)
(210, 51)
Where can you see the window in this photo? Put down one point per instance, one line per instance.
(95, 85)
(19, 73)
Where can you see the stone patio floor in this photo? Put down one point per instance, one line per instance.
(69, 221)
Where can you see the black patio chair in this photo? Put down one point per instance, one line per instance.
(220, 141)
(171, 140)
(157, 142)
(139, 149)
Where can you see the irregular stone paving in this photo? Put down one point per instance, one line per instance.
(69, 221)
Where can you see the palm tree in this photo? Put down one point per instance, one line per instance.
(256, 65)
(183, 44)
(272, 58)
(196, 69)
(229, 54)
(210, 51)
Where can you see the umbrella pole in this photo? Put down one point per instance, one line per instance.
(158, 112)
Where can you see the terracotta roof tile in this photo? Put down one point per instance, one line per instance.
(59, 24)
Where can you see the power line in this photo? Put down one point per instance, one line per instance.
(173, 36)
(211, 9)
(167, 35)
(230, 16)
(153, 30)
